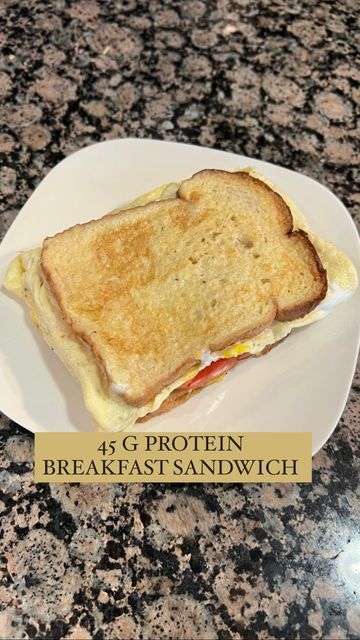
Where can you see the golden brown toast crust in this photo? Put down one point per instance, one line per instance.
(175, 398)
(152, 287)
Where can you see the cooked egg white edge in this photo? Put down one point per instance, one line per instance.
(341, 273)
(23, 278)
(109, 410)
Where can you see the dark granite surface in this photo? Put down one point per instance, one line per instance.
(273, 79)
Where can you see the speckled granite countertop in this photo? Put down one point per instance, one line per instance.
(271, 79)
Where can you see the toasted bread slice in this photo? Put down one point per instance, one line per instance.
(150, 289)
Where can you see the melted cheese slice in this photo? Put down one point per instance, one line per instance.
(109, 410)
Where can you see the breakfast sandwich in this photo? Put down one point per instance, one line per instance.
(154, 301)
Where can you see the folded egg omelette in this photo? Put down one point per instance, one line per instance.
(154, 301)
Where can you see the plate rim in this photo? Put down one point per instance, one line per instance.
(141, 141)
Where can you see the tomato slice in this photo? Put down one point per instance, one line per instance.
(214, 370)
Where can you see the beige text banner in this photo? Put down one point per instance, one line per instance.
(174, 457)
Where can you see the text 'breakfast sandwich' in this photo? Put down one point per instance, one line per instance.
(154, 301)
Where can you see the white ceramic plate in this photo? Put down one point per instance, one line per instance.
(302, 385)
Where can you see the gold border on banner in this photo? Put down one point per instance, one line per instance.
(173, 457)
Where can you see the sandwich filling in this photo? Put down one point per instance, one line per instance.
(105, 402)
